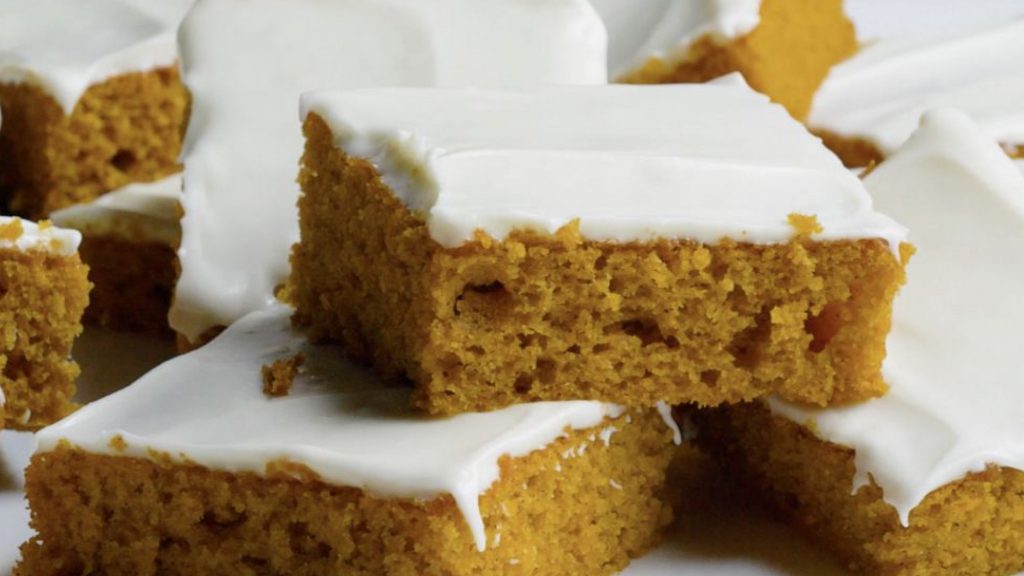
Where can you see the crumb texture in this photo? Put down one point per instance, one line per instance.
(124, 516)
(42, 298)
(554, 317)
(786, 57)
(133, 282)
(127, 129)
(973, 526)
(279, 376)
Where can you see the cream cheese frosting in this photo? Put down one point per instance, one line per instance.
(639, 30)
(955, 367)
(144, 212)
(24, 235)
(244, 140)
(629, 163)
(338, 420)
(66, 46)
(880, 94)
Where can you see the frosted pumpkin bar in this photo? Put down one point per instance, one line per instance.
(930, 478)
(43, 292)
(784, 48)
(195, 470)
(91, 99)
(687, 243)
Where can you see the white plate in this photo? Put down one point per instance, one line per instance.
(733, 542)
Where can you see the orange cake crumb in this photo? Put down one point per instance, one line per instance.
(786, 57)
(554, 317)
(972, 526)
(42, 298)
(804, 225)
(127, 129)
(278, 377)
(114, 515)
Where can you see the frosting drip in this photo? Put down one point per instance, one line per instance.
(66, 46)
(244, 139)
(23, 235)
(338, 420)
(146, 212)
(880, 93)
(954, 366)
(642, 29)
(690, 161)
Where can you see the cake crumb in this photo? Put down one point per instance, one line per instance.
(805, 225)
(279, 376)
(117, 443)
(11, 231)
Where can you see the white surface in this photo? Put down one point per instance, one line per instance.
(631, 163)
(880, 93)
(642, 29)
(882, 19)
(138, 211)
(955, 368)
(34, 237)
(247, 61)
(66, 46)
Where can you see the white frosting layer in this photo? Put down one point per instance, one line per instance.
(880, 93)
(146, 212)
(35, 237)
(66, 46)
(639, 30)
(338, 421)
(955, 365)
(631, 163)
(244, 140)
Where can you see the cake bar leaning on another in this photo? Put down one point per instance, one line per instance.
(43, 292)
(686, 243)
(930, 478)
(91, 99)
(195, 470)
(784, 48)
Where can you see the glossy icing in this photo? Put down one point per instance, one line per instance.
(338, 420)
(954, 366)
(66, 46)
(639, 30)
(630, 163)
(145, 212)
(880, 94)
(244, 138)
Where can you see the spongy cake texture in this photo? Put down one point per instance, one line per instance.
(126, 129)
(551, 317)
(972, 526)
(42, 298)
(117, 515)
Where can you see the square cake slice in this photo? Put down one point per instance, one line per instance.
(129, 238)
(930, 478)
(685, 243)
(43, 291)
(784, 48)
(91, 99)
(194, 469)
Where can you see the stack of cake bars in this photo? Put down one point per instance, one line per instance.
(505, 298)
